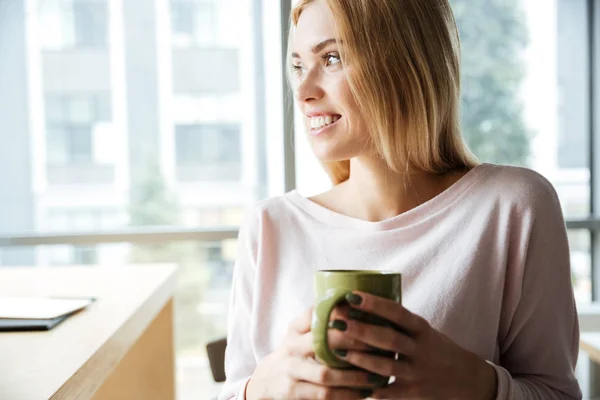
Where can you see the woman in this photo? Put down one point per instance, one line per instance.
(488, 309)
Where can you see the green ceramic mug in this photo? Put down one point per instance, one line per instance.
(331, 288)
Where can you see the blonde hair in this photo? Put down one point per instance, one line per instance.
(408, 52)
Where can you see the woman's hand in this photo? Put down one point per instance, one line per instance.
(429, 365)
(291, 372)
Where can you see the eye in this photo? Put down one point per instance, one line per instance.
(332, 58)
(298, 69)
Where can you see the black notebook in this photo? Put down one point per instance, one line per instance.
(38, 313)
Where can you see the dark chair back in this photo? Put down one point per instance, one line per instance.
(216, 358)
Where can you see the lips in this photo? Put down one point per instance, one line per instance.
(320, 128)
(322, 120)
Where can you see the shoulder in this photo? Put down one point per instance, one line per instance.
(521, 187)
(262, 215)
(269, 208)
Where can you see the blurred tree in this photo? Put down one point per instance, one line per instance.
(493, 36)
(154, 204)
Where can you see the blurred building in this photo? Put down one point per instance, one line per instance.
(96, 92)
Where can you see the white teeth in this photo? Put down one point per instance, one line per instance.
(321, 121)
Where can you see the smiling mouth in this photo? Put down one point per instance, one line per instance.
(321, 122)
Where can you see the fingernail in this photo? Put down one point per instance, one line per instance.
(365, 393)
(374, 378)
(357, 314)
(340, 352)
(338, 324)
(353, 299)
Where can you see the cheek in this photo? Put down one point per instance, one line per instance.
(344, 94)
(347, 103)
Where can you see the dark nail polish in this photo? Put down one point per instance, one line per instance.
(338, 324)
(353, 299)
(374, 378)
(340, 352)
(365, 393)
(356, 314)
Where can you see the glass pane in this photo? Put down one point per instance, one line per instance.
(102, 104)
(57, 148)
(581, 261)
(138, 124)
(182, 21)
(80, 110)
(55, 110)
(201, 297)
(524, 93)
(208, 152)
(55, 25)
(90, 21)
(79, 144)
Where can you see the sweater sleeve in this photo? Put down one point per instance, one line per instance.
(240, 360)
(539, 347)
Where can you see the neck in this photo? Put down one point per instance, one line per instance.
(376, 193)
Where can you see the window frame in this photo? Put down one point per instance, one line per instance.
(593, 222)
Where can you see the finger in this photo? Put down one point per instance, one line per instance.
(301, 324)
(340, 311)
(306, 390)
(398, 391)
(301, 346)
(337, 339)
(311, 371)
(385, 366)
(388, 309)
(381, 337)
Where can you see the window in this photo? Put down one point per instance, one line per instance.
(572, 149)
(79, 220)
(214, 146)
(524, 100)
(71, 255)
(183, 18)
(66, 24)
(194, 22)
(83, 109)
(85, 256)
(90, 21)
(69, 145)
(70, 123)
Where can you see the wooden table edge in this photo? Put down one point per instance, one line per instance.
(88, 379)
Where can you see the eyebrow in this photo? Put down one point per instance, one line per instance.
(317, 47)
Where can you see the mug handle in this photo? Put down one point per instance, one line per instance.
(319, 328)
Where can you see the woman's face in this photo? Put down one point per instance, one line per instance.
(335, 127)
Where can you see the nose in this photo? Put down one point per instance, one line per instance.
(309, 88)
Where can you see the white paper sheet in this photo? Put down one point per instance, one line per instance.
(40, 307)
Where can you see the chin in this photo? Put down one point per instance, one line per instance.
(331, 148)
(327, 154)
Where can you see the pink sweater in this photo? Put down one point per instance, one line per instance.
(486, 262)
